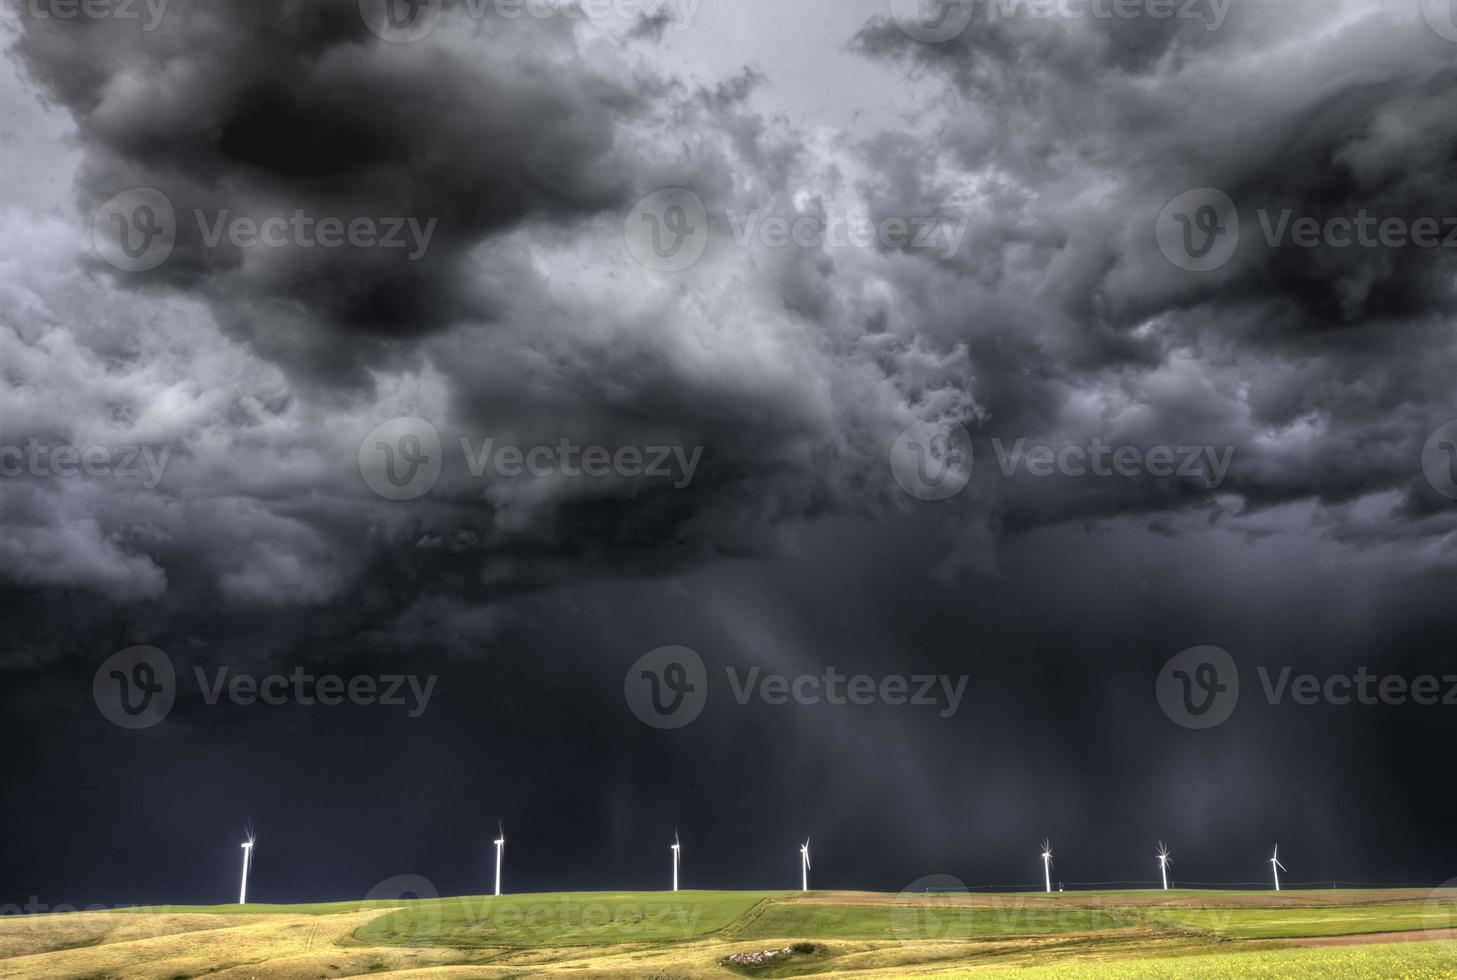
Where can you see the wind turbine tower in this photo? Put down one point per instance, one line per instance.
(677, 850)
(500, 843)
(1047, 864)
(1277, 867)
(248, 842)
(1165, 859)
(804, 866)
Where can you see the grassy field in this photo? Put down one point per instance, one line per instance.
(1410, 961)
(595, 918)
(691, 935)
(1287, 923)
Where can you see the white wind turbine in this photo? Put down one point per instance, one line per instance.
(804, 865)
(1047, 864)
(1277, 867)
(247, 863)
(500, 843)
(677, 850)
(1165, 859)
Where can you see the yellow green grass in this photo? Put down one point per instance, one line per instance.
(928, 920)
(1409, 961)
(1287, 923)
(696, 936)
(566, 918)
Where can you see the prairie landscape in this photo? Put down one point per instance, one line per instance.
(702, 934)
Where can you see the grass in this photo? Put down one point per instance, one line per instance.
(693, 935)
(930, 920)
(583, 918)
(1287, 923)
(1410, 961)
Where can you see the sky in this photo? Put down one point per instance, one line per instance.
(926, 430)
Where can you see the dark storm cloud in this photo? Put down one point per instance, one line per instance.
(793, 369)
(1326, 367)
(249, 111)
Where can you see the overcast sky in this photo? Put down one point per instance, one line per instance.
(1019, 347)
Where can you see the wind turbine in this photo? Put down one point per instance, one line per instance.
(1047, 864)
(1165, 859)
(677, 850)
(247, 863)
(804, 865)
(500, 843)
(1277, 867)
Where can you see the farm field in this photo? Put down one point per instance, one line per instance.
(693, 934)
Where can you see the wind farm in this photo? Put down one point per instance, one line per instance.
(946, 931)
(694, 935)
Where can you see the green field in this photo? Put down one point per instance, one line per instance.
(928, 921)
(567, 918)
(1409, 961)
(698, 934)
(1287, 923)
